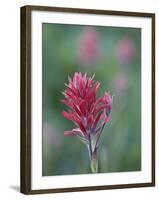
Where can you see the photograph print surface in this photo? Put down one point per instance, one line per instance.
(91, 87)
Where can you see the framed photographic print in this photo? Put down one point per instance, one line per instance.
(87, 99)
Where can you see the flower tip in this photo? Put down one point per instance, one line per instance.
(92, 77)
(107, 118)
(107, 95)
(68, 133)
(64, 114)
(63, 93)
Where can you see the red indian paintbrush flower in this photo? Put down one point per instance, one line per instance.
(88, 112)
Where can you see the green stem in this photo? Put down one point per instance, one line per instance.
(94, 162)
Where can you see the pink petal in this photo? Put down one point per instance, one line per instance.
(90, 120)
(96, 120)
(67, 103)
(68, 133)
(70, 116)
(106, 119)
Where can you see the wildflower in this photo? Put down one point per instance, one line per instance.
(125, 50)
(89, 47)
(87, 111)
(121, 82)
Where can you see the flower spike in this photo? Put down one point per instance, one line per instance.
(87, 111)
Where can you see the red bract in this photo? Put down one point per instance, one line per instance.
(88, 112)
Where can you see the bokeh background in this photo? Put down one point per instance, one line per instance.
(113, 54)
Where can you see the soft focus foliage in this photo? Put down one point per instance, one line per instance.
(114, 56)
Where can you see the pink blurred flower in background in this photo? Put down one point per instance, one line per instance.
(125, 50)
(89, 47)
(120, 82)
(88, 112)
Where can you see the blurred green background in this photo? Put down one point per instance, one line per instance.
(113, 54)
